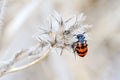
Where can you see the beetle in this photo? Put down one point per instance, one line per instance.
(80, 46)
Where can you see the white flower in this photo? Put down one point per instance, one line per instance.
(61, 34)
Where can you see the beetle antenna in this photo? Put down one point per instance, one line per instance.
(74, 35)
(84, 33)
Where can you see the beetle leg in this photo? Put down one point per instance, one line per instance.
(86, 42)
(74, 48)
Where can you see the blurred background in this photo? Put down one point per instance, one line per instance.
(20, 19)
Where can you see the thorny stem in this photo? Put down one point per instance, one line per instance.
(30, 64)
(8, 67)
(11, 69)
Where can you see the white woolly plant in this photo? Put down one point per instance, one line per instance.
(59, 35)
